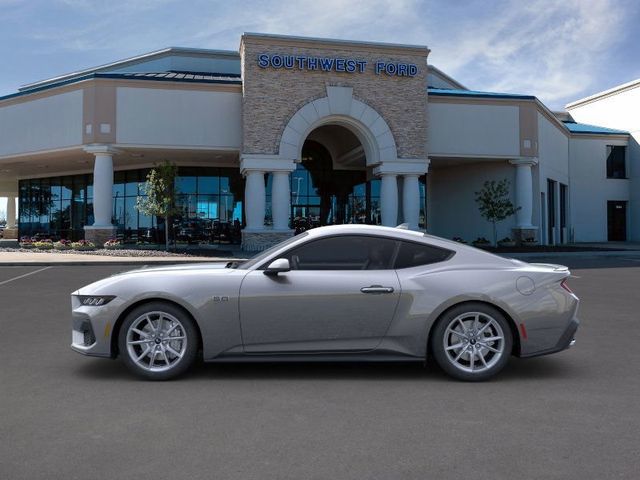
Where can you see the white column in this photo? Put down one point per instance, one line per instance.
(254, 199)
(389, 199)
(411, 200)
(280, 200)
(524, 191)
(103, 189)
(11, 211)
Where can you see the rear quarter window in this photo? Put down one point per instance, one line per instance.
(413, 254)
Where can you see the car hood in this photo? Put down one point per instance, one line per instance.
(122, 278)
(182, 267)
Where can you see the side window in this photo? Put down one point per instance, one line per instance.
(414, 254)
(616, 167)
(348, 252)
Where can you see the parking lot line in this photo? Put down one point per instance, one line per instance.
(25, 275)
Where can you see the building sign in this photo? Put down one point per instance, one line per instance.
(341, 65)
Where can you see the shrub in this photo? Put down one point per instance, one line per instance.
(481, 241)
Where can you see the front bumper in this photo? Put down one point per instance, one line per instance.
(91, 328)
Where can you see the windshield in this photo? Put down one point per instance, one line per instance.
(260, 256)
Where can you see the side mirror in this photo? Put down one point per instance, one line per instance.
(278, 266)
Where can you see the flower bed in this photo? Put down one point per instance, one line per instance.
(83, 245)
(43, 244)
(62, 245)
(112, 244)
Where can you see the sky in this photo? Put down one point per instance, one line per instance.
(558, 50)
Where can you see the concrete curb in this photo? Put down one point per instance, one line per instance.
(589, 253)
(95, 263)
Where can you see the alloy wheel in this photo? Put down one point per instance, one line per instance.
(474, 342)
(156, 341)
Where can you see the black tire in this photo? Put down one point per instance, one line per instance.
(441, 334)
(187, 329)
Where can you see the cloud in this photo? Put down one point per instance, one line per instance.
(545, 48)
(557, 50)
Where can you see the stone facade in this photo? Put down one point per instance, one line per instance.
(99, 235)
(272, 96)
(258, 241)
(10, 233)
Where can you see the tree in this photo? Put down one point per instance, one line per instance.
(159, 195)
(494, 203)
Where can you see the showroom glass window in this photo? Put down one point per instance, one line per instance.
(616, 161)
(209, 203)
(56, 207)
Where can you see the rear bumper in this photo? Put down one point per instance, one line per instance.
(567, 339)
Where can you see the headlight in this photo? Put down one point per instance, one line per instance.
(95, 300)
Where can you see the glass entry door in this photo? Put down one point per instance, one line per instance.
(322, 195)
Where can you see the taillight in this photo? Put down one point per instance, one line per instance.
(564, 285)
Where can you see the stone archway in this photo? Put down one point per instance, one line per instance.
(340, 108)
(379, 145)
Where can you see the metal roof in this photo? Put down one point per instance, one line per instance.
(575, 127)
(450, 92)
(131, 61)
(178, 76)
(228, 79)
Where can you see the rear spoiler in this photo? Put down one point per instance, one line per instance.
(555, 268)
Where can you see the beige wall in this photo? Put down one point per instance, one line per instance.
(473, 129)
(200, 118)
(44, 123)
(272, 96)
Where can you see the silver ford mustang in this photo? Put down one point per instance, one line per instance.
(340, 293)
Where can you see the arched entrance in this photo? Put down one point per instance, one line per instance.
(337, 162)
(332, 184)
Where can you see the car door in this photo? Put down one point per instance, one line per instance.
(340, 295)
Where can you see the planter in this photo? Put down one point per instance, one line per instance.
(480, 244)
(61, 247)
(507, 244)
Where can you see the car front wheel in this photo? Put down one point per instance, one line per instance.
(472, 342)
(158, 341)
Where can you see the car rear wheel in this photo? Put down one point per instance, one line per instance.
(158, 341)
(472, 342)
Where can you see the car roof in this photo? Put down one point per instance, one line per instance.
(365, 229)
(405, 234)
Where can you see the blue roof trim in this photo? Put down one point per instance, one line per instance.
(158, 77)
(449, 92)
(593, 129)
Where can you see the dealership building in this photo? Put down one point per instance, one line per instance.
(290, 133)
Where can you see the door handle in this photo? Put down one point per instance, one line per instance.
(376, 289)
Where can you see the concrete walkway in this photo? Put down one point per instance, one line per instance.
(53, 258)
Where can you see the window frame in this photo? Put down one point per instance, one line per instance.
(331, 237)
(451, 254)
(396, 252)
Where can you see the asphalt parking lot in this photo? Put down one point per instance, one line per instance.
(571, 415)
